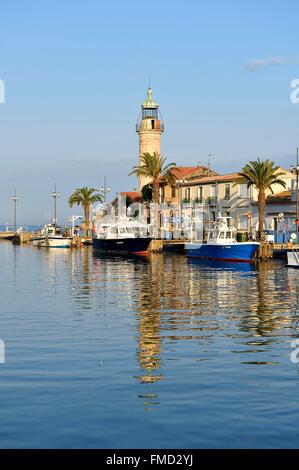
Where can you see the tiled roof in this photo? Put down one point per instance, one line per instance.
(135, 196)
(278, 198)
(187, 171)
(182, 171)
(131, 194)
(281, 195)
(216, 178)
(284, 196)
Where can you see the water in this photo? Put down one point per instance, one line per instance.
(149, 352)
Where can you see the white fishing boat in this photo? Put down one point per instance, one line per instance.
(128, 236)
(222, 244)
(51, 237)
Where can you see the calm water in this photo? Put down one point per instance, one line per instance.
(149, 352)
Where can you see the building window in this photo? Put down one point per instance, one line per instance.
(187, 195)
(243, 191)
(200, 194)
(243, 222)
(227, 214)
(227, 191)
(172, 191)
(213, 190)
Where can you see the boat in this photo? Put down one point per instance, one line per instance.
(51, 237)
(293, 258)
(222, 244)
(128, 236)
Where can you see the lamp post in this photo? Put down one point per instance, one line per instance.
(15, 199)
(105, 189)
(55, 195)
(295, 171)
(73, 219)
(210, 155)
(180, 183)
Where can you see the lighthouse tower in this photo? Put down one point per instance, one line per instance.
(149, 127)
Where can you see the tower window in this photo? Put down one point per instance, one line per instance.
(153, 124)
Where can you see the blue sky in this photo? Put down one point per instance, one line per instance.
(76, 73)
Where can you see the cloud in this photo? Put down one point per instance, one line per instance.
(258, 64)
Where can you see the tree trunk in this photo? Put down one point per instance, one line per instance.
(261, 206)
(156, 191)
(86, 208)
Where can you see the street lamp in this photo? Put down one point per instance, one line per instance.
(73, 219)
(55, 195)
(15, 199)
(295, 171)
(180, 183)
(105, 189)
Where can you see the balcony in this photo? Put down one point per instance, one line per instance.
(158, 126)
(211, 201)
(198, 200)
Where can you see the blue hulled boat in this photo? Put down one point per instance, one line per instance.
(222, 245)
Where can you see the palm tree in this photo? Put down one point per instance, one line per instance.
(153, 166)
(262, 175)
(85, 197)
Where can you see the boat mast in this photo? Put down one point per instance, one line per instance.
(55, 195)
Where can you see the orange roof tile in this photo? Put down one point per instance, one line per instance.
(131, 194)
(187, 171)
(215, 178)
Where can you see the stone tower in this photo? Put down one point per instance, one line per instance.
(149, 127)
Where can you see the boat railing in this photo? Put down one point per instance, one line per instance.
(295, 251)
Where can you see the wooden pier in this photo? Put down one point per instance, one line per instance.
(264, 252)
(23, 237)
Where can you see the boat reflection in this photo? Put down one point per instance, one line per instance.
(224, 265)
(170, 301)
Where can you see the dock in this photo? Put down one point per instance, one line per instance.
(6, 235)
(265, 252)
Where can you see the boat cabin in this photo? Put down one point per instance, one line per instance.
(51, 230)
(122, 230)
(221, 233)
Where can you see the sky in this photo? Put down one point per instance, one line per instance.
(76, 73)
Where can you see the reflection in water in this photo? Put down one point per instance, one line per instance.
(180, 299)
(177, 299)
(90, 338)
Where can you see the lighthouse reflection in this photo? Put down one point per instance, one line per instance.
(182, 308)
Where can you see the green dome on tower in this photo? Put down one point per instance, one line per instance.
(149, 102)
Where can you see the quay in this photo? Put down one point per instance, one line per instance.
(6, 235)
(27, 237)
(265, 252)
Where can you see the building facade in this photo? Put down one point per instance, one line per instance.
(225, 193)
(173, 193)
